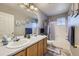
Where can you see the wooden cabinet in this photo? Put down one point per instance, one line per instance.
(22, 53)
(40, 48)
(37, 49)
(32, 50)
(45, 45)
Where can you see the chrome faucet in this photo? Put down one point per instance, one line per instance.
(4, 40)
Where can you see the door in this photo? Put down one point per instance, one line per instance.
(6, 24)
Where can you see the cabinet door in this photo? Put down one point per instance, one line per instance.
(45, 45)
(22, 53)
(40, 48)
(32, 50)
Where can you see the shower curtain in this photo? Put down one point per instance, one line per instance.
(51, 31)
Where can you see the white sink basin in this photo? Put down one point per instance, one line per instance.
(18, 44)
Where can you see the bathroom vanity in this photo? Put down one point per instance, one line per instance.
(35, 47)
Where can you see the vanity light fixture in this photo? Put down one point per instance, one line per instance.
(28, 6)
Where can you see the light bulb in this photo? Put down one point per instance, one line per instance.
(36, 9)
(32, 7)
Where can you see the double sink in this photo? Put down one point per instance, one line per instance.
(19, 43)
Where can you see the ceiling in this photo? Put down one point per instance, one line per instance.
(17, 9)
(51, 9)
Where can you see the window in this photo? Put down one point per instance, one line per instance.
(72, 21)
(61, 21)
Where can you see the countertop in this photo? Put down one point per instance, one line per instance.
(4, 51)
